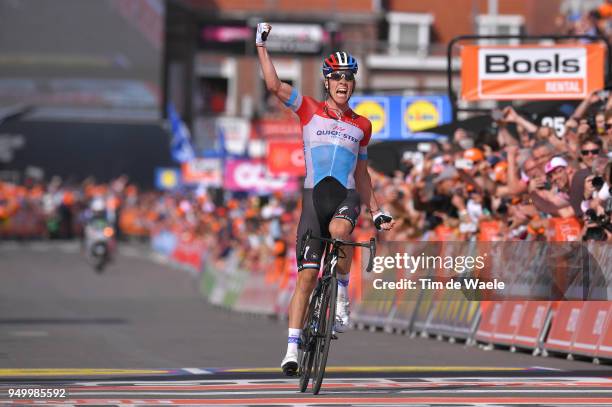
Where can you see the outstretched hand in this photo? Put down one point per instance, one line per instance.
(263, 30)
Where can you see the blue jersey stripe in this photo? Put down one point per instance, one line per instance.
(292, 97)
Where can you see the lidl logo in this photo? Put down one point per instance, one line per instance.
(167, 178)
(376, 112)
(421, 115)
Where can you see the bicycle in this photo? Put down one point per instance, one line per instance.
(318, 325)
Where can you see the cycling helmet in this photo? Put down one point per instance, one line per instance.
(339, 61)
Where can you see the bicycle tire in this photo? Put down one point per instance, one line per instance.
(326, 321)
(307, 357)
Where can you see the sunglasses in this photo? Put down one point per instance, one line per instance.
(336, 76)
(587, 152)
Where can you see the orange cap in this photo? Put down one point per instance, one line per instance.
(473, 154)
(500, 171)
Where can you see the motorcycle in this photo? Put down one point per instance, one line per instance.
(99, 244)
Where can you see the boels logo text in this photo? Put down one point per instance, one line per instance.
(531, 71)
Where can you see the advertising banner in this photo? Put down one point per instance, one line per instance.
(286, 157)
(376, 109)
(253, 176)
(275, 128)
(403, 117)
(167, 179)
(296, 38)
(235, 133)
(419, 113)
(228, 134)
(568, 71)
(203, 171)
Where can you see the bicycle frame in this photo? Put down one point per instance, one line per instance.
(321, 313)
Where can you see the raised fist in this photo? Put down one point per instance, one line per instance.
(263, 30)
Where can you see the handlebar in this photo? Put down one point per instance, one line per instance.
(338, 242)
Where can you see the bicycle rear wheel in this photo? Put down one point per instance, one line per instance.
(309, 332)
(327, 319)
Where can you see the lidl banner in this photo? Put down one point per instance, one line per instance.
(567, 71)
(403, 117)
(167, 179)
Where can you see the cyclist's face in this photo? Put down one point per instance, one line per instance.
(340, 89)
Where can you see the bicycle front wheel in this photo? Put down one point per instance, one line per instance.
(327, 319)
(309, 337)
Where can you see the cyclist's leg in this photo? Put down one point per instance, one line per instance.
(318, 208)
(341, 226)
(308, 269)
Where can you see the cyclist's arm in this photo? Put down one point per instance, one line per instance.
(282, 90)
(363, 184)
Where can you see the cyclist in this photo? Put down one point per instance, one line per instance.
(337, 180)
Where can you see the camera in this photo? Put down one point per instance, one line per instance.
(591, 122)
(597, 182)
(546, 186)
(602, 224)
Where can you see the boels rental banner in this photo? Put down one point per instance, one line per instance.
(568, 71)
(403, 117)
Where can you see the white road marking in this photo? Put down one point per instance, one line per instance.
(29, 334)
(195, 370)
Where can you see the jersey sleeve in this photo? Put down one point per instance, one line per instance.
(363, 144)
(304, 106)
(295, 100)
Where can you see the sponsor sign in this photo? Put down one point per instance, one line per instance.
(253, 176)
(531, 71)
(296, 38)
(286, 157)
(226, 34)
(420, 114)
(229, 133)
(375, 109)
(203, 171)
(269, 128)
(403, 117)
(235, 132)
(167, 179)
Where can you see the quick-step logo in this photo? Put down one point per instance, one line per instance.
(531, 71)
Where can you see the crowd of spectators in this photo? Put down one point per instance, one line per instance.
(585, 17)
(521, 182)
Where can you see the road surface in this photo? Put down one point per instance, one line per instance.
(140, 334)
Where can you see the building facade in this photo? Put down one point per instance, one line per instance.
(211, 67)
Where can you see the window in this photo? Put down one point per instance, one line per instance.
(409, 32)
(504, 24)
(216, 90)
(211, 96)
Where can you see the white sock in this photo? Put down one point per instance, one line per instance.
(293, 340)
(343, 282)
